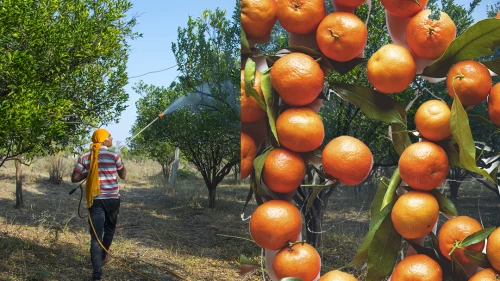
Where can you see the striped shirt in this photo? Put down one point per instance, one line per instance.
(109, 163)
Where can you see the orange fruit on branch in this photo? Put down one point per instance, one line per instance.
(424, 165)
(297, 78)
(300, 261)
(258, 18)
(275, 223)
(429, 38)
(470, 80)
(494, 105)
(337, 275)
(300, 16)
(487, 274)
(248, 149)
(391, 69)
(433, 120)
(455, 230)
(414, 214)
(300, 129)
(493, 249)
(341, 36)
(347, 159)
(250, 109)
(404, 8)
(417, 267)
(283, 170)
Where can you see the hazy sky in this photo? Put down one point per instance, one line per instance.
(158, 21)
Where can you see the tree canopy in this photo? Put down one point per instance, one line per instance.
(62, 71)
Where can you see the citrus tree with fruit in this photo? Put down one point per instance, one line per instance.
(283, 135)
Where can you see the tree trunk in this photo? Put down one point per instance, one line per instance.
(175, 166)
(165, 171)
(19, 184)
(211, 196)
(454, 189)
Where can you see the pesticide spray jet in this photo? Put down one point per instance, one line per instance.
(198, 101)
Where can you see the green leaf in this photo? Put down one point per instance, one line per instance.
(477, 237)
(383, 251)
(458, 271)
(247, 265)
(478, 258)
(315, 193)
(451, 149)
(247, 261)
(270, 60)
(493, 65)
(400, 137)
(374, 104)
(375, 223)
(481, 39)
(249, 82)
(258, 165)
(391, 189)
(375, 207)
(430, 252)
(435, 242)
(245, 47)
(345, 67)
(267, 89)
(446, 206)
(460, 129)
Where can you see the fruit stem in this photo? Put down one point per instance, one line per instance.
(416, 1)
(291, 244)
(296, 5)
(336, 36)
(459, 76)
(457, 245)
(431, 30)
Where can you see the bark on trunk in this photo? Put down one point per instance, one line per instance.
(453, 189)
(211, 197)
(19, 184)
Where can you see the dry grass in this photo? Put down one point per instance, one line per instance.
(46, 240)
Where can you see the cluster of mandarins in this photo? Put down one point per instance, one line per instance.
(298, 79)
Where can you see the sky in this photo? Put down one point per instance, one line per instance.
(158, 21)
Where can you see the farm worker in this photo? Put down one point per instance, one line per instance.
(100, 167)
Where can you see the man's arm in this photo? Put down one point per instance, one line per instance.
(122, 173)
(78, 177)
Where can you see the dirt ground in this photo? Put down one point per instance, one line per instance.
(159, 233)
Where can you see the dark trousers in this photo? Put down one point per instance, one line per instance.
(104, 215)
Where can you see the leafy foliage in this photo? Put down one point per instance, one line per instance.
(62, 71)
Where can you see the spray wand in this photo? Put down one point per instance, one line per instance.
(160, 115)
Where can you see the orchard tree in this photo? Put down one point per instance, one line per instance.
(207, 55)
(62, 72)
(205, 136)
(152, 141)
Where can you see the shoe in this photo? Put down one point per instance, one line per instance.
(106, 260)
